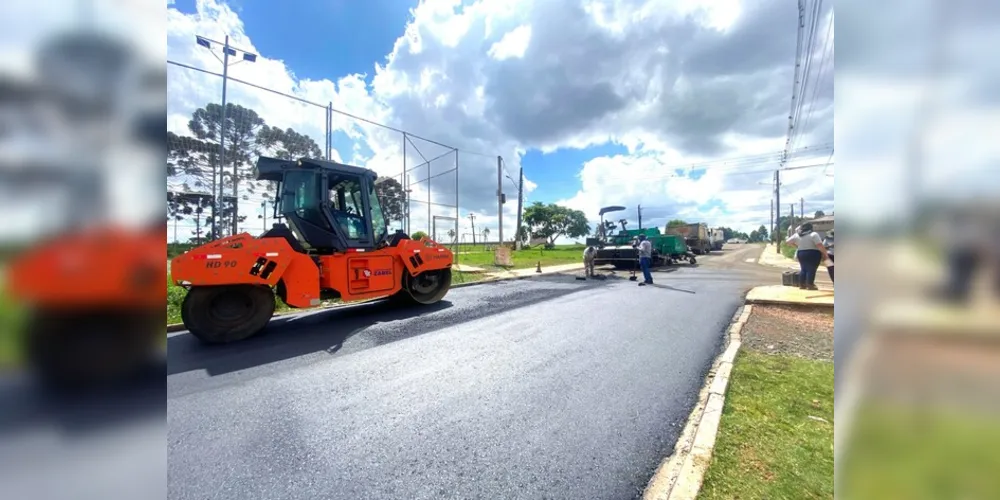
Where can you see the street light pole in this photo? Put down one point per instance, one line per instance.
(227, 50)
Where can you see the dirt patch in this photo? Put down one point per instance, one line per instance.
(790, 330)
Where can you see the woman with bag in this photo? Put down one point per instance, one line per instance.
(810, 254)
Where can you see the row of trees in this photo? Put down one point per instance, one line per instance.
(193, 166)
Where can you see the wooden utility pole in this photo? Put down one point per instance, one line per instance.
(472, 218)
(791, 220)
(640, 216)
(500, 199)
(772, 235)
(802, 208)
(777, 206)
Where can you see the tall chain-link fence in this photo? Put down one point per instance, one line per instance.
(214, 144)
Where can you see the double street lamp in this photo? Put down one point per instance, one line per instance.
(227, 50)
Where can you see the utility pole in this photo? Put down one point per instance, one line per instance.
(777, 206)
(802, 208)
(772, 219)
(263, 208)
(472, 218)
(791, 220)
(520, 203)
(640, 216)
(500, 199)
(227, 51)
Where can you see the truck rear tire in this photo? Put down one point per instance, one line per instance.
(224, 314)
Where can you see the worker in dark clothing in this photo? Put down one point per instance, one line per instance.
(645, 259)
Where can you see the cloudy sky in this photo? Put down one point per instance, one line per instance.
(680, 106)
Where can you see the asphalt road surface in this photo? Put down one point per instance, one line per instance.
(548, 387)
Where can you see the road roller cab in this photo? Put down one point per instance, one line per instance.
(333, 243)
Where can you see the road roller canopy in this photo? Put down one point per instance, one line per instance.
(328, 206)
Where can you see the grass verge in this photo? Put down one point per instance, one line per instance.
(776, 435)
(11, 324)
(789, 250)
(524, 258)
(899, 452)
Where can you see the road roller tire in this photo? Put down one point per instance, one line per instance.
(425, 288)
(224, 314)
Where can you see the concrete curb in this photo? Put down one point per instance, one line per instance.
(178, 327)
(680, 476)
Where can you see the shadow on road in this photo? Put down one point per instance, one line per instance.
(369, 324)
(292, 336)
(27, 405)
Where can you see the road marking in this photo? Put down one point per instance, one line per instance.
(749, 260)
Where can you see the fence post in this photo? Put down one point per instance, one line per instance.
(406, 190)
(428, 196)
(329, 130)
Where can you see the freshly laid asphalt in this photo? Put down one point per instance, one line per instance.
(548, 387)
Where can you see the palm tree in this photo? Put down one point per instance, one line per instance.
(486, 234)
(451, 234)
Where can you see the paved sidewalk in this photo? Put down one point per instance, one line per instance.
(790, 295)
(772, 258)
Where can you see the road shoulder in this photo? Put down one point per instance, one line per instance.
(681, 474)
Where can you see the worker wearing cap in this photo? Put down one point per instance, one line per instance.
(588, 261)
(645, 259)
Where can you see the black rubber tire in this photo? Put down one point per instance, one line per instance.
(203, 315)
(692, 261)
(411, 284)
(70, 350)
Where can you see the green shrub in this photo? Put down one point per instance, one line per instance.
(418, 235)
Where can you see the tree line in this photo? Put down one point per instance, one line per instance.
(193, 165)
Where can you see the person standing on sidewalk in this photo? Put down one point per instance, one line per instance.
(810, 254)
(828, 244)
(645, 259)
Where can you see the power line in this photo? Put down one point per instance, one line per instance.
(827, 49)
(806, 68)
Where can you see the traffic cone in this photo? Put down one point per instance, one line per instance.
(539, 268)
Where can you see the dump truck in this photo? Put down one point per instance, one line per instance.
(333, 243)
(695, 235)
(718, 238)
(618, 249)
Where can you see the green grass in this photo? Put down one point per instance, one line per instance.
(896, 452)
(11, 323)
(767, 446)
(789, 250)
(526, 258)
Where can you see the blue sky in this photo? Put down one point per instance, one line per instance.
(322, 39)
(448, 80)
(342, 37)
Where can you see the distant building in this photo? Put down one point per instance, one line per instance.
(822, 224)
